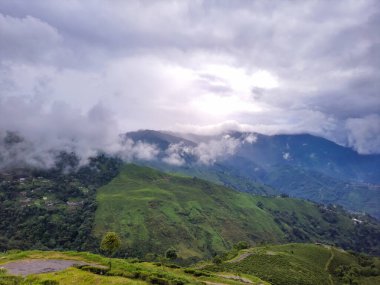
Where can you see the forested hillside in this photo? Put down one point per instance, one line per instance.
(154, 211)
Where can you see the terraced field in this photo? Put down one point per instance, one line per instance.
(303, 264)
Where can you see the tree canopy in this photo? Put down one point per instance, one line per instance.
(110, 243)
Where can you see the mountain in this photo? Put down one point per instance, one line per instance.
(310, 153)
(70, 206)
(301, 166)
(154, 211)
(160, 139)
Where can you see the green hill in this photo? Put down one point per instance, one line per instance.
(153, 211)
(303, 264)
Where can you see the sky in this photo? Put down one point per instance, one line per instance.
(85, 71)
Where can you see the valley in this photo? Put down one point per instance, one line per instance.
(225, 225)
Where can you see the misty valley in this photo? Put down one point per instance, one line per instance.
(199, 205)
(182, 142)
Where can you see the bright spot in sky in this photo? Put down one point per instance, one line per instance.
(264, 79)
(219, 106)
(228, 90)
(238, 79)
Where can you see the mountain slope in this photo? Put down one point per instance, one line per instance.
(303, 264)
(153, 211)
(52, 209)
(302, 166)
(311, 153)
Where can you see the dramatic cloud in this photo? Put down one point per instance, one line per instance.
(363, 133)
(77, 73)
(207, 151)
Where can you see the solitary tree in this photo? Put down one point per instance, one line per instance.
(110, 244)
(171, 254)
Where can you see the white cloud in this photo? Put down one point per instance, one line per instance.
(175, 154)
(363, 133)
(27, 39)
(130, 150)
(286, 155)
(272, 67)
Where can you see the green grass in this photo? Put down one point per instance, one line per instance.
(153, 211)
(302, 264)
(123, 271)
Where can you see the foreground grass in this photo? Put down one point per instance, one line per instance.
(123, 271)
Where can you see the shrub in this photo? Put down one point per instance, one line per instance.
(217, 260)
(241, 245)
(93, 269)
(158, 280)
(49, 282)
(171, 253)
(171, 265)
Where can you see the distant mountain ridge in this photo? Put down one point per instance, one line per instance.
(301, 165)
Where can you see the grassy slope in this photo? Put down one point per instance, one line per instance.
(293, 264)
(138, 273)
(153, 211)
(316, 186)
(217, 174)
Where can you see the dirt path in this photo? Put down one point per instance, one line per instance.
(237, 278)
(240, 257)
(328, 264)
(36, 266)
(214, 283)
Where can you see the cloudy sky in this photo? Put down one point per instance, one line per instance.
(91, 69)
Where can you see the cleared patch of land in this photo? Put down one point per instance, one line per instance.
(37, 266)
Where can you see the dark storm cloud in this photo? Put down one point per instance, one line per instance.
(269, 66)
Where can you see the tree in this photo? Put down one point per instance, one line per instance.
(241, 245)
(110, 244)
(171, 254)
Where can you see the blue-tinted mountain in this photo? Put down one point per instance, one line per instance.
(302, 165)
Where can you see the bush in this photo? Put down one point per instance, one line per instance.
(2, 271)
(241, 245)
(49, 282)
(177, 282)
(93, 269)
(217, 260)
(158, 280)
(171, 253)
(171, 265)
